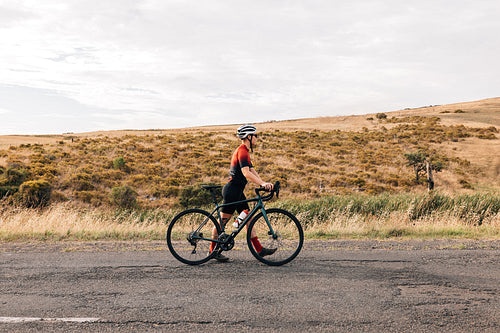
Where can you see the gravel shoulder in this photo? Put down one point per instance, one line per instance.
(408, 244)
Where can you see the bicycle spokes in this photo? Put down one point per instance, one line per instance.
(189, 236)
(280, 231)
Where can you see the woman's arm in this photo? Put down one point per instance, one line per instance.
(252, 175)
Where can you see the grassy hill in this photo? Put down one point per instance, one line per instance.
(345, 158)
(311, 156)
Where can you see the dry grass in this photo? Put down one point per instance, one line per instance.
(483, 153)
(63, 222)
(398, 225)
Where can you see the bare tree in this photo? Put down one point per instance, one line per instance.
(423, 165)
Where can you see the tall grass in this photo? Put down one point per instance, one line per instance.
(396, 215)
(431, 215)
(65, 222)
(473, 209)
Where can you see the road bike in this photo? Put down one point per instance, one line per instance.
(189, 234)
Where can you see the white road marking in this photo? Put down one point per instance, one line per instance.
(31, 319)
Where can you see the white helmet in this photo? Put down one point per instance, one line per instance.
(245, 130)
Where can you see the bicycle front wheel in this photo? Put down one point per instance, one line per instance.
(189, 236)
(283, 233)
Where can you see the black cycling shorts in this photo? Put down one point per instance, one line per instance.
(231, 193)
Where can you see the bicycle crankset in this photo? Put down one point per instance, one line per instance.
(226, 242)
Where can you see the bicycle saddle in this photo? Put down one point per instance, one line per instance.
(210, 187)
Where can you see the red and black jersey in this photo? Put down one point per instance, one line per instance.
(240, 159)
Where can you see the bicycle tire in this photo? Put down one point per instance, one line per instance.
(195, 251)
(289, 241)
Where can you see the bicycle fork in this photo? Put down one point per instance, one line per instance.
(271, 231)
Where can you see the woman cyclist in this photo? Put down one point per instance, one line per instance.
(241, 171)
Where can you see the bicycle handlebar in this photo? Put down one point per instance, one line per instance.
(276, 189)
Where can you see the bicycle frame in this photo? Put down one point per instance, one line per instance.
(258, 206)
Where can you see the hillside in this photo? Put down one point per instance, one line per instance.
(312, 157)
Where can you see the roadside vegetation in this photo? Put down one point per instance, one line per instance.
(329, 217)
(356, 184)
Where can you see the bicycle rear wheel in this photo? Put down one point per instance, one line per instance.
(287, 240)
(189, 236)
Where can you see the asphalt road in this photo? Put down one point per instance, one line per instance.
(368, 286)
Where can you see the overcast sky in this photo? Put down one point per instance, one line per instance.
(86, 65)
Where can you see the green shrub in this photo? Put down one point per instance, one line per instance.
(165, 191)
(489, 136)
(124, 196)
(35, 193)
(119, 163)
(12, 177)
(195, 196)
(92, 197)
(8, 190)
(57, 196)
(80, 182)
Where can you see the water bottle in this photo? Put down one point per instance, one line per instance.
(239, 220)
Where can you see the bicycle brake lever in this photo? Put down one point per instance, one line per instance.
(277, 189)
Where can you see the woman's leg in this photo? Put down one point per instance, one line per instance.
(229, 194)
(255, 240)
(225, 217)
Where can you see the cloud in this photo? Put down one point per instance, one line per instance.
(4, 111)
(222, 61)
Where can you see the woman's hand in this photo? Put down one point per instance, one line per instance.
(268, 186)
